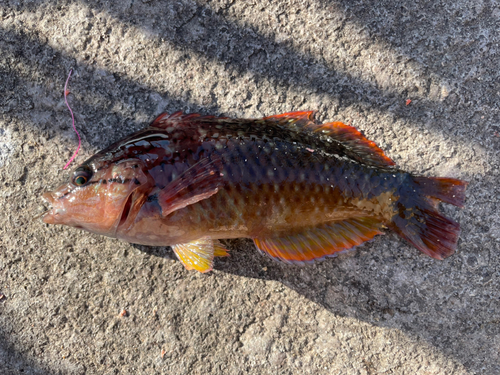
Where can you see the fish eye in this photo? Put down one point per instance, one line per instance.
(81, 176)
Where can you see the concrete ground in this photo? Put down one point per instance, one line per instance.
(381, 309)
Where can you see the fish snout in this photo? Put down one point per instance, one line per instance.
(51, 214)
(47, 197)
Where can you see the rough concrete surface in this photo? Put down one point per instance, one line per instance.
(381, 309)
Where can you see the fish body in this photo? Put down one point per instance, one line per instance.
(302, 191)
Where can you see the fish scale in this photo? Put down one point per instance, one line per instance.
(302, 191)
(258, 166)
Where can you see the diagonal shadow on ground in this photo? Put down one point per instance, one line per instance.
(198, 28)
(317, 283)
(13, 362)
(437, 36)
(349, 286)
(115, 106)
(245, 50)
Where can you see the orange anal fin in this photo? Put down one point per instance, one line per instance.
(357, 146)
(320, 242)
(196, 255)
(197, 183)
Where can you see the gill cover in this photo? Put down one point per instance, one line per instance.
(96, 196)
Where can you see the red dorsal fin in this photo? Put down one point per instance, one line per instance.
(294, 116)
(320, 242)
(352, 143)
(178, 119)
(357, 146)
(348, 139)
(299, 120)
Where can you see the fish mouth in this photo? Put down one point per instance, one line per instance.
(48, 216)
(48, 197)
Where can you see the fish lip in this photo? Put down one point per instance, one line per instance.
(48, 215)
(48, 197)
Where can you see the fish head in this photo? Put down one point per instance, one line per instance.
(97, 196)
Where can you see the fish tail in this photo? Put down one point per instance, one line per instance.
(418, 220)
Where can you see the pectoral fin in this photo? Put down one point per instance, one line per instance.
(197, 183)
(320, 242)
(196, 255)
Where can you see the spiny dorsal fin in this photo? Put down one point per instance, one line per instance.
(304, 117)
(357, 146)
(320, 242)
(350, 141)
(178, 118)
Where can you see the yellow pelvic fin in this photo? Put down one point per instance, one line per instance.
(220, 250)
(197, 255)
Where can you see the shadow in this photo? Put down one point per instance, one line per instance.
(113, 108)
(438, 37)
(388, 285)
(13, 362)
(197, 28)
(101, 117)
(385, 283)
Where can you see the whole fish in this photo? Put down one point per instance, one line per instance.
(302, 191)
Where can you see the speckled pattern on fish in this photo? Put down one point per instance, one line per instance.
(302, 191)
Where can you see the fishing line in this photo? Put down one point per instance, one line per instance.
(73, 121)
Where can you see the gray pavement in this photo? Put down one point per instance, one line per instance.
(381, 309)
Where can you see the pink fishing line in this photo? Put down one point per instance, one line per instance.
(73, 120)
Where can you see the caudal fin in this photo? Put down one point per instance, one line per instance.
(448, 190)
(419, 221)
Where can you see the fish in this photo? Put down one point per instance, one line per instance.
(301, 190)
